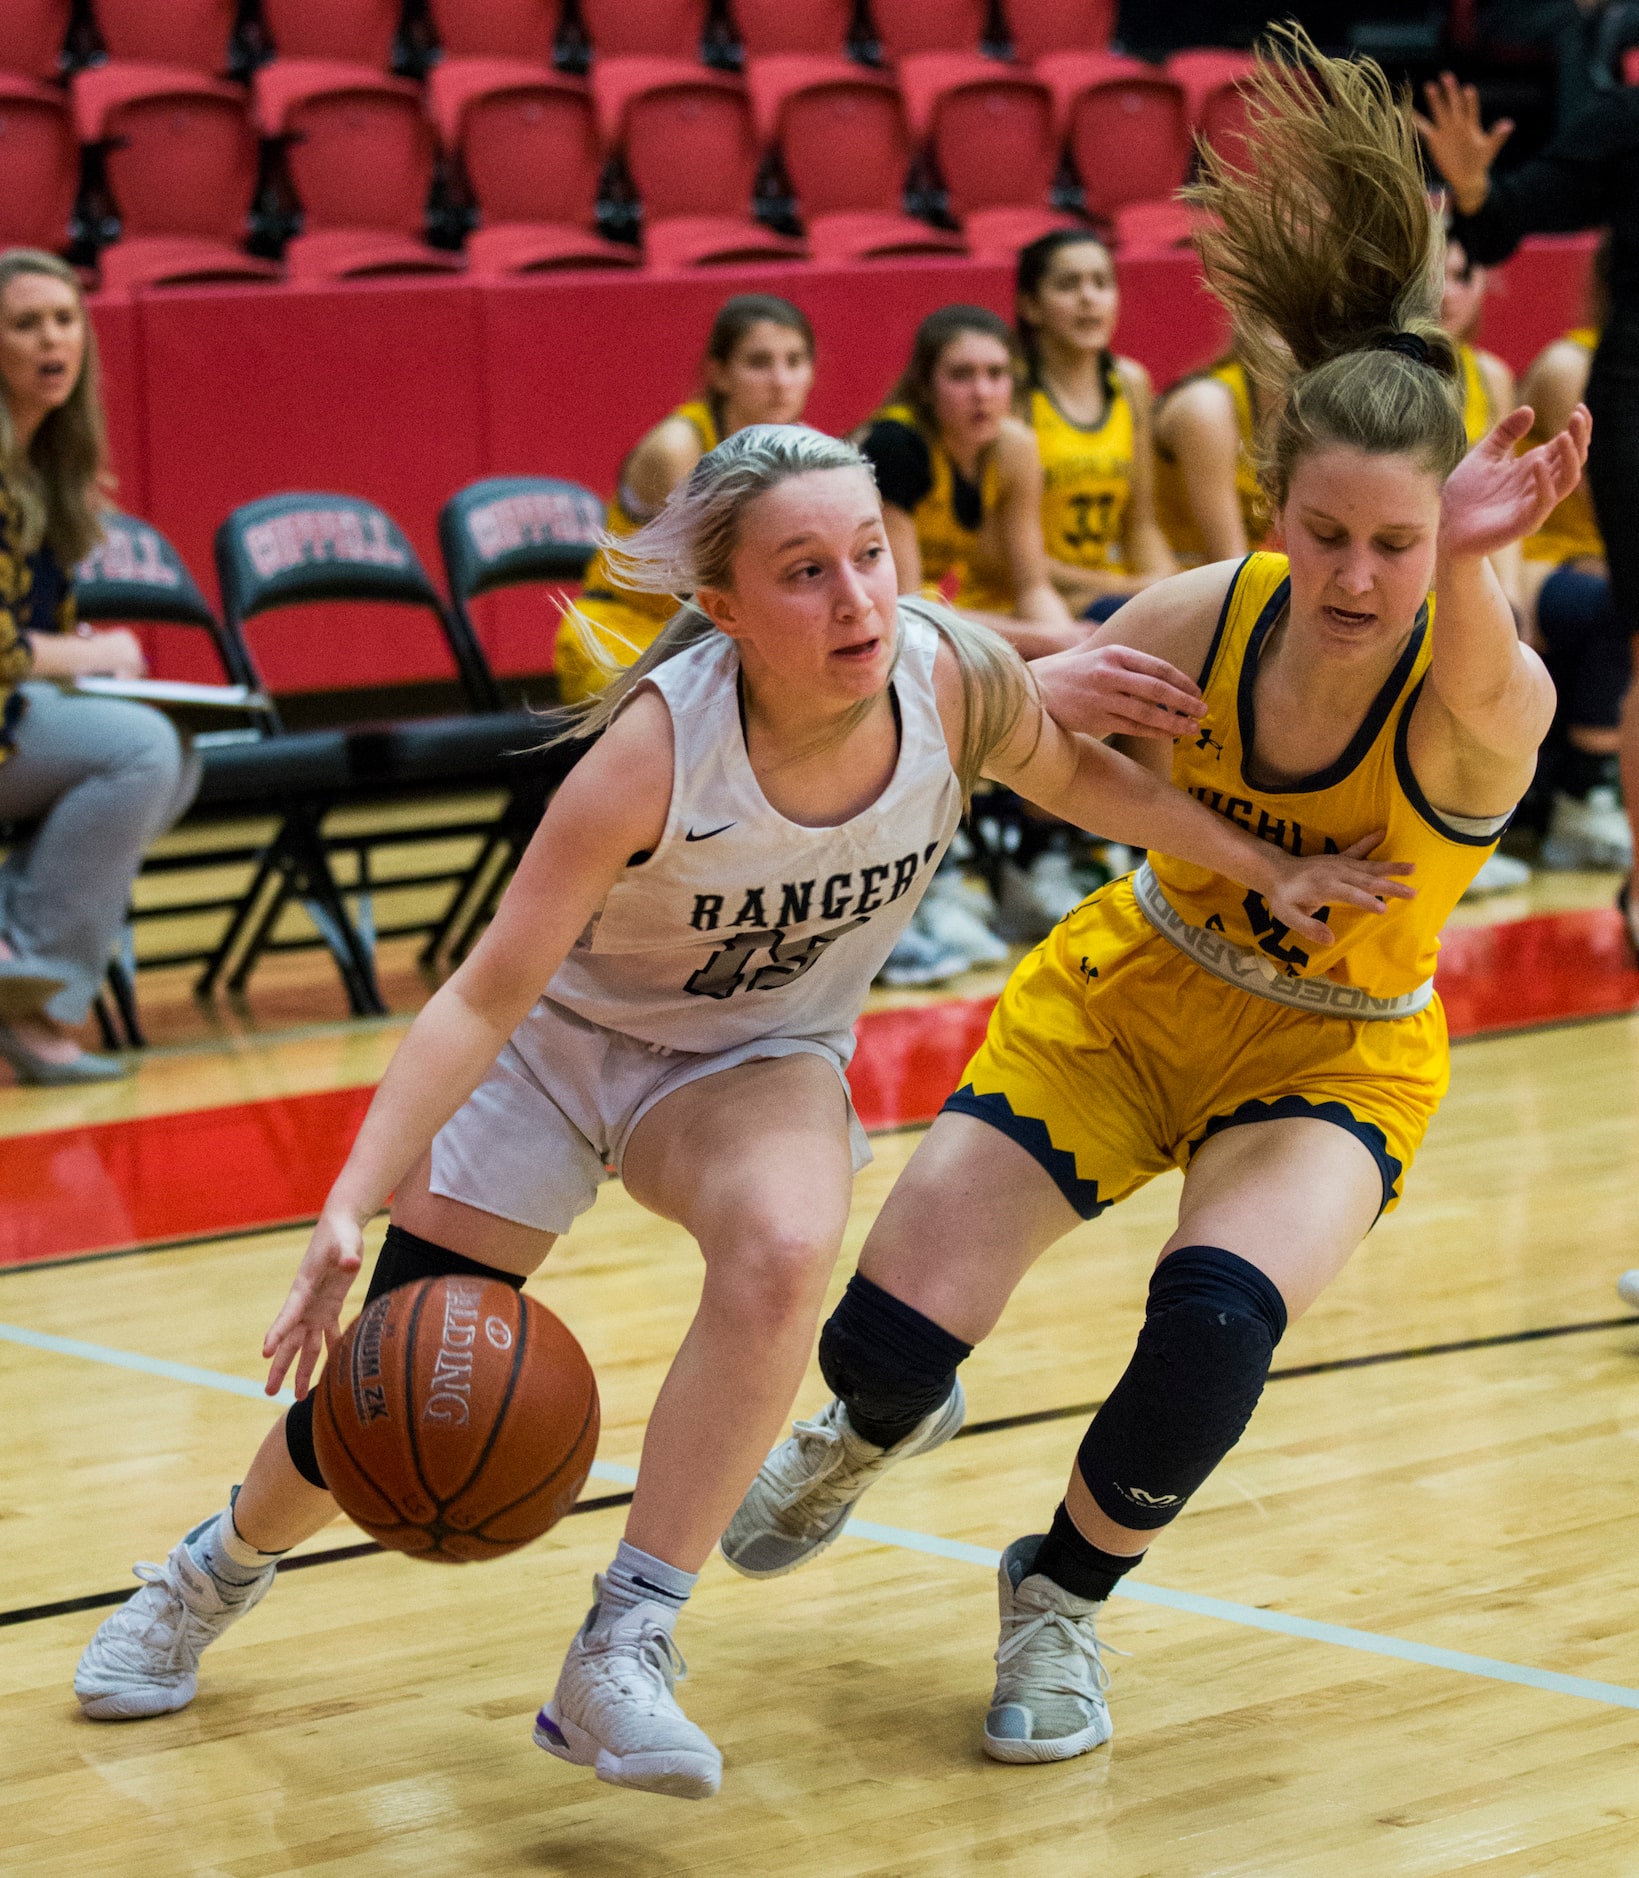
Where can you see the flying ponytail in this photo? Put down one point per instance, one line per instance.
(1327, 252)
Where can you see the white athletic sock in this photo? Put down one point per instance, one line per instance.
(216, 1547)
(637, 1578)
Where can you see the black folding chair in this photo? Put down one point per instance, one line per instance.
(509, 531)
(299, 549)
(135, 576)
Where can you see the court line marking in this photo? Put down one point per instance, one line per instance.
(1249, 1616)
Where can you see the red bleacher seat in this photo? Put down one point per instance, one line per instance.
(182, 161)
(1127, 125)
(1211, 78)
(39, 165)
(1039, 27)
(846, 147)
(360, 31)
(1152, 227)
(361, 158)
(192, 33)
(496, 29)
(768, 28)
(907, 26)
(992, 133)
(528, 140)
(1630, 66)
(31, 37)
(690, 147)
(655, 29)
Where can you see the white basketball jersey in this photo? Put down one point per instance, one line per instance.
(742, 924)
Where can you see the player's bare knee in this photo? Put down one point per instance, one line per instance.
(772, 1271)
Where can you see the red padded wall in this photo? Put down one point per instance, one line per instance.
(403, 390)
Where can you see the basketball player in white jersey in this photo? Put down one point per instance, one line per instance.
(706, 902)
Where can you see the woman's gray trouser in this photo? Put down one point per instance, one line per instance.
(102, 777)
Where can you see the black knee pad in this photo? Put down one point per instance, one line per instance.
(1203, 1355)
(404, 1258)
(1588, 647)
(891, 1365)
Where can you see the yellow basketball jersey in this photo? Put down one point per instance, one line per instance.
(1571, 531)
(1088, 474)
(1172, 499)
(1478, 413)
(1369, 787)
(961, 565)
(625, 623)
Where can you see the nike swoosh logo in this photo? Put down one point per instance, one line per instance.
(692, 836)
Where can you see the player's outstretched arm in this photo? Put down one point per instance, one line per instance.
(612, 805)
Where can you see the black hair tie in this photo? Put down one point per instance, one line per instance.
(1408, 345)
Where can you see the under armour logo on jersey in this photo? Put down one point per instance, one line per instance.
(1206, 740)
(707, 835)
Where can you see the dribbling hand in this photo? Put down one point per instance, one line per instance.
(1114, 690)
(1494, 498)
(1302, 887)
(309, 1320)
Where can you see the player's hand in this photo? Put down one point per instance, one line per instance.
(1101, 691)
(1461, 148)
(1494, 498)
(309, 1320)
(1304, 888)
(116, 653)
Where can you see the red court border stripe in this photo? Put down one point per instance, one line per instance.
(205, 1172)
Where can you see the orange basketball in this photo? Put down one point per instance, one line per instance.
(456, 1420)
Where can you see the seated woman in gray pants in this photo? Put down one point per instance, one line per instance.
(94, 779)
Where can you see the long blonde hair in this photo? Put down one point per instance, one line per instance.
(691, 544)
(1329, 256)
(56, 484)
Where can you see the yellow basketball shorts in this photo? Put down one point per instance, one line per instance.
(1112, 1056)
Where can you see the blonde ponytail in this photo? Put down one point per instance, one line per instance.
(1327, 252)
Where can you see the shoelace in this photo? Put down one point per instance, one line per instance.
(656, 1652)
(169, 1618)
(1078, 1634)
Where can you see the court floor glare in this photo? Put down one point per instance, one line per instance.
(1394, 1634)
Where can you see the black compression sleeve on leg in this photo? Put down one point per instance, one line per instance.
(1070, 1559)
(404, 1258)
(1203, 1355)
(890, 1365)
(1589, 650)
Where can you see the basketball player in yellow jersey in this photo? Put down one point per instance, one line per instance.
(759, 369)
(1170, 1021)
(1207, 497)
(1090, 411)
(961, 481)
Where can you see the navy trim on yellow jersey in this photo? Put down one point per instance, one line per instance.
(1371, 724)
(1031, 1135)
(1299, 1108)
(1223, 621)
(1413, 790)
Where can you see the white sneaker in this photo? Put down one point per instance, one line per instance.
(918, 958)
(614, 1711)
(1050, 1678)
(144, 1659)
(949, 915)
(1588, 831)
(1627, 1289)
(1501, 874)
(808, 1486)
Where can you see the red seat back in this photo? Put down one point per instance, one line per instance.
(994, 143)
(1043, 26)
(905, 26)
(1129, 141)
(192, 33)
(502, 29)
(532, 155)
(776, 26)
(691, 151)
(361, 159)
(1211, 79)
(182, 165)
(39, 167)
(31, 37)
(662, 29)
(361, 30)
(846, 146)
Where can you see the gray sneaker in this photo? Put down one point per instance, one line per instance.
(144, 1659)
(1050, 1678)
(808, 1486)
(1627, 1289)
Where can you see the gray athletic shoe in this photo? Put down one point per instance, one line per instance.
(1627, 1289)
(1050, 1678)
(809, 1485)
(144, 1659)
(614, 1710)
